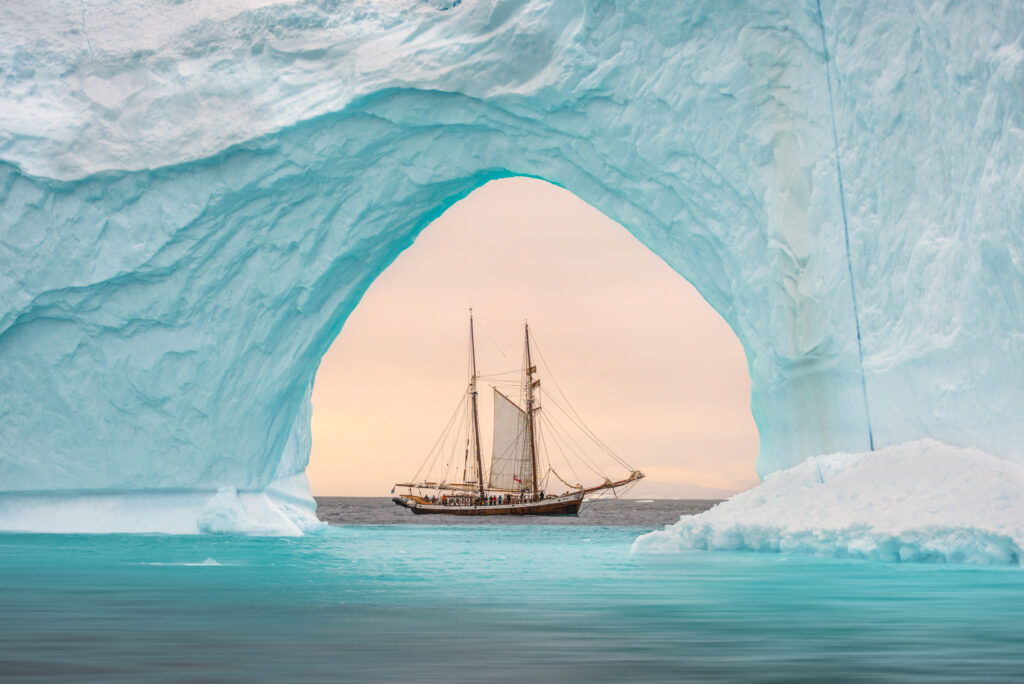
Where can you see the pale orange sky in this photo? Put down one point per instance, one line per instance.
(644, 359)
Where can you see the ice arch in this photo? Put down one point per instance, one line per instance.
(192, 203)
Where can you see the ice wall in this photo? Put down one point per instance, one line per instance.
(194, 197)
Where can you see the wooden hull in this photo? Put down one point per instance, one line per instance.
(563, 505)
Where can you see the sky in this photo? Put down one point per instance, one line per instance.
(649, 365)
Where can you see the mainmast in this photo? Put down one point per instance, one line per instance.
(530, 409)
(472, 391)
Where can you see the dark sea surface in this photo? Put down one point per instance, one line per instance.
(648, 513)
(552, 600)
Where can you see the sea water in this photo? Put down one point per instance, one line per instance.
(517, 601)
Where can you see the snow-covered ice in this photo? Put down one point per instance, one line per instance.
(194, 196)
(284, 509)
(920, 501)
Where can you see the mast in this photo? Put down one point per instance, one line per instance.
(472, 391)
(530, 385)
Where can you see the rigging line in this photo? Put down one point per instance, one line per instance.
(593, 437)
(543, 459)
(503, 386)
(577, 419)
(498, 347)
(563, 450)
(602, 495)
(554, 380)
(444, 432)
(583, 453)
(500, 321)
(846, 228)
(456, 447)
(571, 446)
(554, 472)
(567, 447)
(559, 434)
(540, 351)
(432, 456)
(484, 376)
(443, 454)
(463, 431)
(578, 451)
(590, 434)
(567, 462)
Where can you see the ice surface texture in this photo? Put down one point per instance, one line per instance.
(921, 501)
(194, 197)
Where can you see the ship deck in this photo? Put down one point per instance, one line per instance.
(561, 505)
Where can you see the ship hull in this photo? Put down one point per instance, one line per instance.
(563, 505)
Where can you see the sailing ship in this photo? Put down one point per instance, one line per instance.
(520, 471)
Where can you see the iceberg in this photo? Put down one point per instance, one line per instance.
(923, 501)
(194, 196)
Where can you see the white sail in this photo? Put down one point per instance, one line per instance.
(510, 455)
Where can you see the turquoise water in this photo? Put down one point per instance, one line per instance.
(471, 603)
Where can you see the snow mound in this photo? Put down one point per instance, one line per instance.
(921, 501)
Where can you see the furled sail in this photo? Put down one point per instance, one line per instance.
(510, 456)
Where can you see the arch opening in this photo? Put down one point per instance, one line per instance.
(646, 356)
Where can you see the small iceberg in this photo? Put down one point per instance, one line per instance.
(922, 501)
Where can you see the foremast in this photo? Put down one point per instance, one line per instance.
(473, 396)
